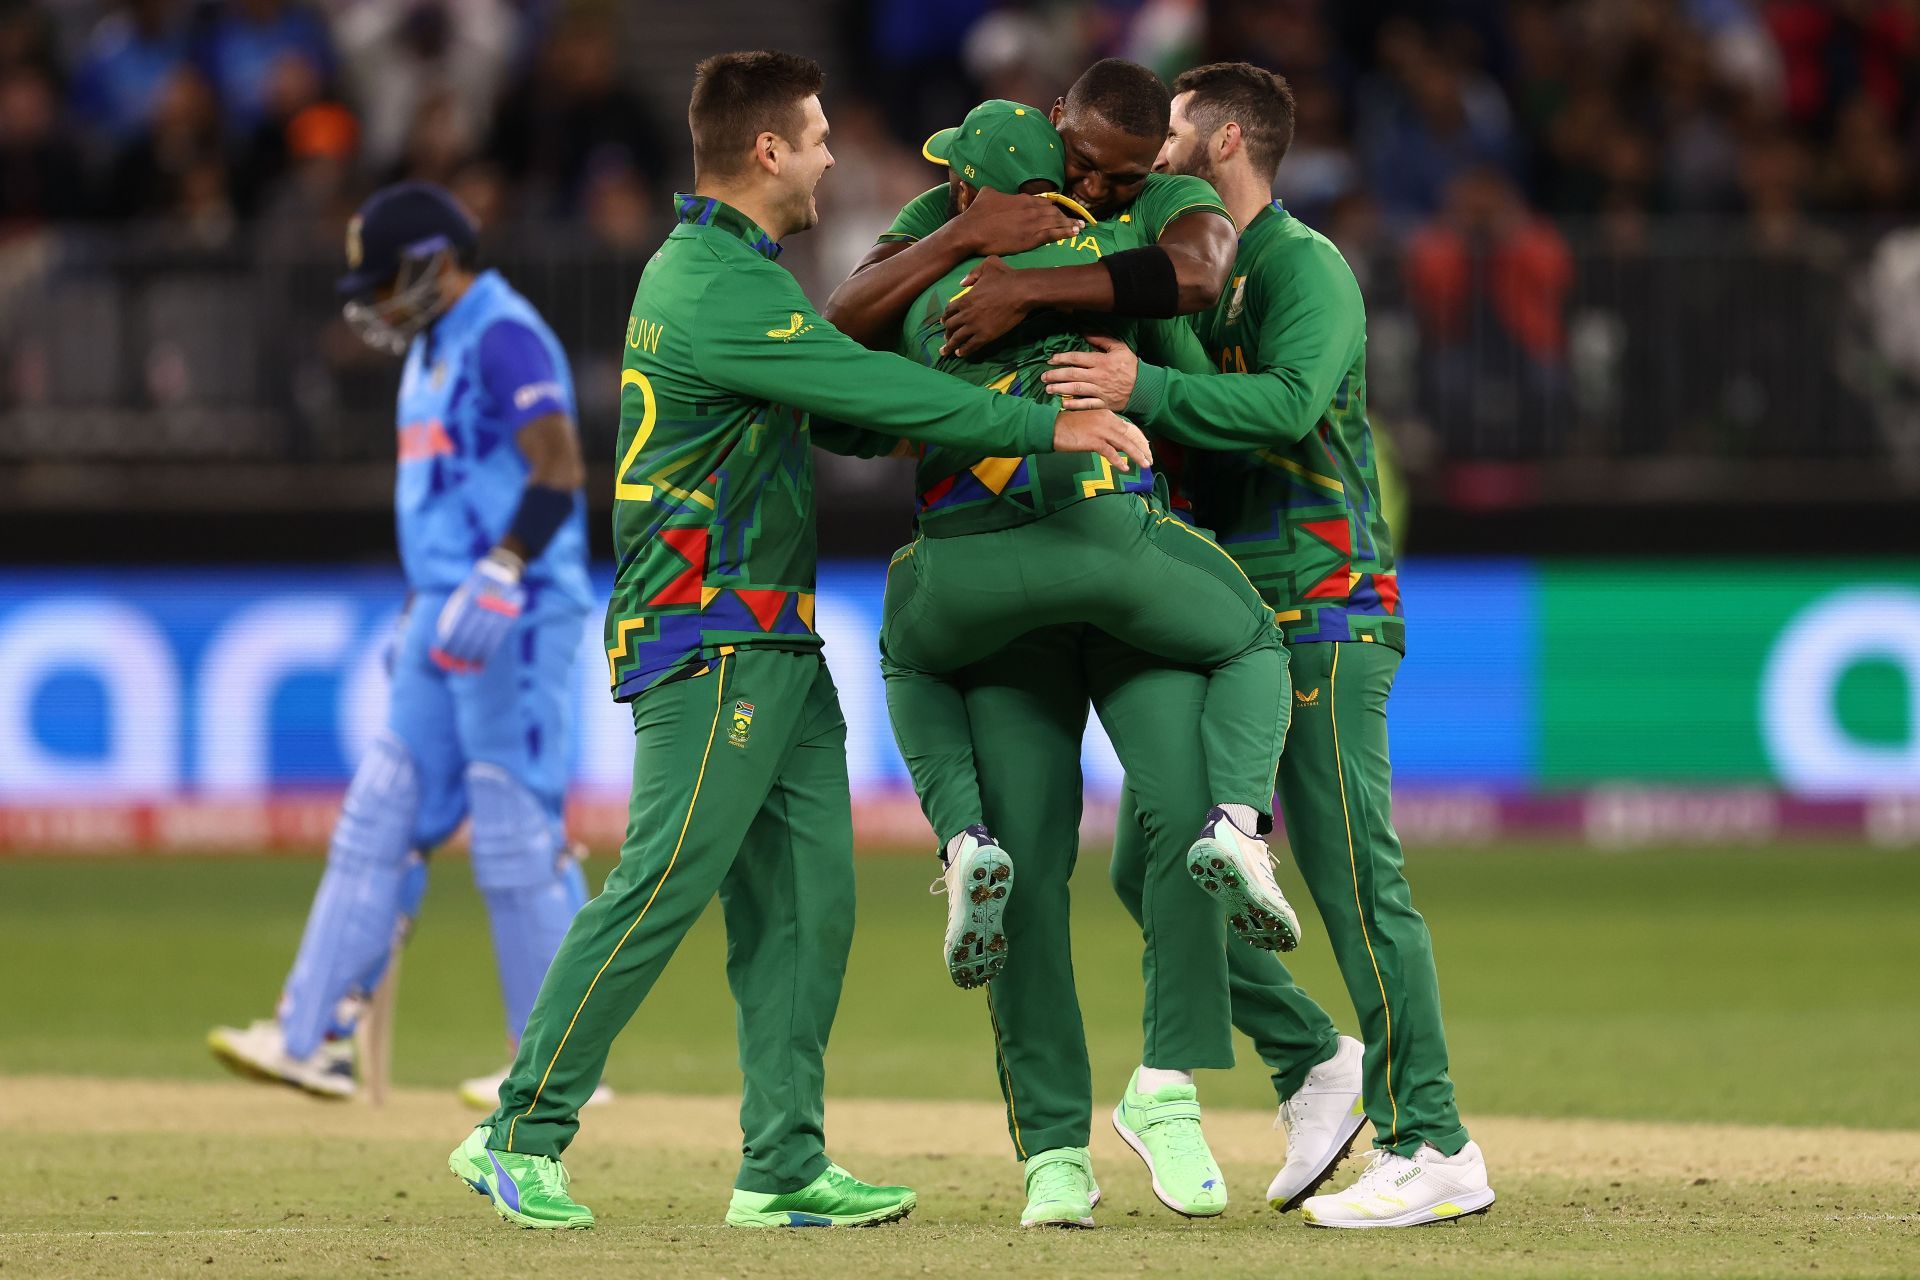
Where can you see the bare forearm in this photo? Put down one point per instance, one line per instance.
(870, 304)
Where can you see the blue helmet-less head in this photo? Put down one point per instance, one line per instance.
(399, 245)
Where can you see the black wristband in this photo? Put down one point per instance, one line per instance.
(542, 512)
(1144, 283)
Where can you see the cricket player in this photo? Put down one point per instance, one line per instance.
(1294, 494)
(490, 514)
(1010, 544)
(1160, 239)
(740, 774)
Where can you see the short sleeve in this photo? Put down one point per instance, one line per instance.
(1169, 195)
(519, 374)
(923, 215)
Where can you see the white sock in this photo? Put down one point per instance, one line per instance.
(1243, 817)
(1154, 1079)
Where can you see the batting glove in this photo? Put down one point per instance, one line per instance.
(480, 613)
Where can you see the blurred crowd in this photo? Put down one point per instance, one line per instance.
(1514, 180)
(193, 117)
(1461, 114)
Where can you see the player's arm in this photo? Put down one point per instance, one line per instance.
(1183, 271)
(756, 334)
(519, 376)
(857, 442)
(921, 247)
(1311, 323)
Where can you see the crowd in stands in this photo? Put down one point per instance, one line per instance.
(1476, 146)
(206, 112)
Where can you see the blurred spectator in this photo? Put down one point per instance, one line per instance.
(408, 58)
(166, 166)
(1773, 177)
(912, 64)
(41, 180)
(1427, 118)
(1318, 170)
(258, 54)
(573, 107)
(27, 38)
(1834, 49)
(618, 206)
(128, 62)
(1489, 282)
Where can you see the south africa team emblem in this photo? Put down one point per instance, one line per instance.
(742, 724)
(1238, 303)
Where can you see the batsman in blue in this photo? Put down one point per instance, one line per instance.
(491, 521)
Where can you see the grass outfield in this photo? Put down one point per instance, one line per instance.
(1761, 987)
(1623, 1026)
(115, 1178)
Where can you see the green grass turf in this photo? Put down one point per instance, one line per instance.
(1771, 986)
(370, 1207)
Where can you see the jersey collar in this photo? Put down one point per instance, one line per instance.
(1272, 213)
(705, 211)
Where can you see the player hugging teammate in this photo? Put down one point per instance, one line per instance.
(1120, 253)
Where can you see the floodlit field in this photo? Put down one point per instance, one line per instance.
(1685, 1063)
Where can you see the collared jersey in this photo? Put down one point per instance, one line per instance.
(713, 519)
(960, 493)
(477, 375)
(1282, 464)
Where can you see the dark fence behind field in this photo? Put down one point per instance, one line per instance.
(1676, 361)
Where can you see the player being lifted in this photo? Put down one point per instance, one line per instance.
(492, 534)
(1013, 528)
(1293, 492)
(1010, 544)
(740, 771)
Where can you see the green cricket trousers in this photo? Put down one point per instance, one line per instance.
(1024, 715)
(1336, 791)
(739, 787)
(1118, 562)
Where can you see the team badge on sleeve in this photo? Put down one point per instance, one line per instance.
(742, 724)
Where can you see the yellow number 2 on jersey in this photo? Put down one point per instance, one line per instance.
(623, 490)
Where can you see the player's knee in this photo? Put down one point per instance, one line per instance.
(376, 822)
(516, 842)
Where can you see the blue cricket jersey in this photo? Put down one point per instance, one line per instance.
(476, 376)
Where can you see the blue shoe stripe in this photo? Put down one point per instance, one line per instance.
(509, 1191)
(797, 1219)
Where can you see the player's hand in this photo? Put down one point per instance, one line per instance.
(991, 302)
(1107, 434)
(1099, 379)
(999, 224)
(480, 613)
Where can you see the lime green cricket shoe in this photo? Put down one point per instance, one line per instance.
(1061, 1191)
(834, 1199)
(528, 1190)
(1163, 1128)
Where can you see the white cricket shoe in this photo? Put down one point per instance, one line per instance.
(1407, 1191)
(1236, 871)
(1322, 1118)
(483, 1092)
(978, 878)
(259, 1052)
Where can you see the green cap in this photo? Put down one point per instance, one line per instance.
(1001, 145)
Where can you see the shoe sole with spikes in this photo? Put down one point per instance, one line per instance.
(1219, 867)
(976, 942)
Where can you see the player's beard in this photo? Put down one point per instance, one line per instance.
(1198, 165)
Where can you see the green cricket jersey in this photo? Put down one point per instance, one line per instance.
(959, 491)
(713, 518)
(1293, 491)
